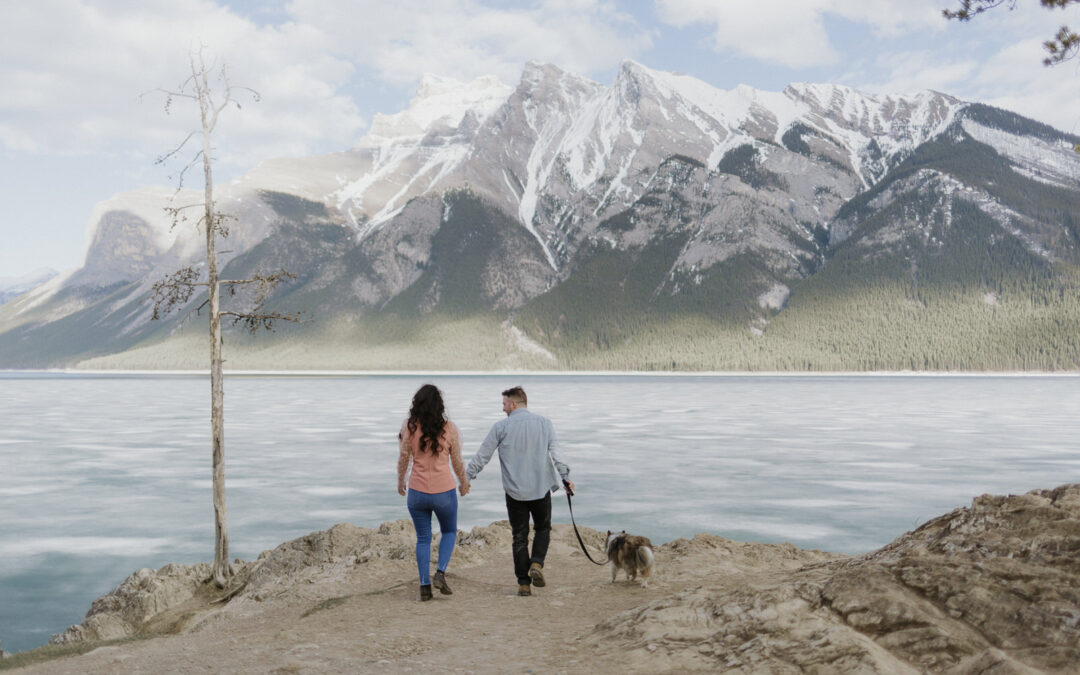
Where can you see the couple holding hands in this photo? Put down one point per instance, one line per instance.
(531, 470)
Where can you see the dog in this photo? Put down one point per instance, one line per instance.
(631, 554)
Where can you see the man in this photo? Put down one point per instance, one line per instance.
(527, 446)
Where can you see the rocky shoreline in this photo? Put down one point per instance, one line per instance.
(990, 588)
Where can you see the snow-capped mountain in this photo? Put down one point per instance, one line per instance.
(521, 202)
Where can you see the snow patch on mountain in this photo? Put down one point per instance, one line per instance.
(521, 342)
(571, 140)
(1055, 163)
(561, 113)
(440, 104)
(708, 107)
(896, 123)
(775, 298)
(412, 151)
(437, 165)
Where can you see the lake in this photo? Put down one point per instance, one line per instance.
(103, 474)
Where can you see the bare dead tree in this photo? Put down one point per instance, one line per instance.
(176, 290)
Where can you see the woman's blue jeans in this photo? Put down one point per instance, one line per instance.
(444, 506)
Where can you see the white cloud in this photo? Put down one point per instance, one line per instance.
(793, 33)
(464, 39)
(72, 72)
(910, 72)
(1015, 79)
(1010, 73)
(996, 59)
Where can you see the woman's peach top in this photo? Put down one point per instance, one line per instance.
(430, 472)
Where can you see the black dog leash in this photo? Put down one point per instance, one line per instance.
(582, 543)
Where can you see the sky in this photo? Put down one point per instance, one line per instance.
(81, 117)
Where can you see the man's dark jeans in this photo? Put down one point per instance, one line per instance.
(519, 512)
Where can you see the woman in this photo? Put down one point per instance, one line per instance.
(432, 444)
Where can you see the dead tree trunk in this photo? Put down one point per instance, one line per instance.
(178, 288)
(221, 567)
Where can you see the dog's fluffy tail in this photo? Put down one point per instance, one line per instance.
(645, 558)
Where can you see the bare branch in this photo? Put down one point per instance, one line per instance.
(164, 158)
(971, 8)
(183, 172)
(179, 215)
(266, 321)
(227, 92)
(264, 285)
(178, 209)
(255, 96)
(174, 291)
(219, 223)
(273, 279)
(170, 93)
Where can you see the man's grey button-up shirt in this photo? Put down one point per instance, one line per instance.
(528, 454)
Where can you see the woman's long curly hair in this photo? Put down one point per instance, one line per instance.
(429, 415)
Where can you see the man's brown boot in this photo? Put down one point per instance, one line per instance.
(524, 589)
(536, 573)
(425, 592)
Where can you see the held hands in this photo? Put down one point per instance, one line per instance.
(464, 488)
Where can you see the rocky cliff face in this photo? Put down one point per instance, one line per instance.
(487, 198)
(990, 588)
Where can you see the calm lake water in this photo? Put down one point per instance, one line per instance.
(102, 475)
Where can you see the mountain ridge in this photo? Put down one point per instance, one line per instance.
(727, 202)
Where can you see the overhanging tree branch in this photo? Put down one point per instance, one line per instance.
(1063, 46)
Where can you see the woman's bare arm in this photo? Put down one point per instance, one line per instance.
(404, 455)
(457, 463)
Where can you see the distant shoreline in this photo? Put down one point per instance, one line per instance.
(537, 373)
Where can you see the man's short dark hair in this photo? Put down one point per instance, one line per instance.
(517, 395)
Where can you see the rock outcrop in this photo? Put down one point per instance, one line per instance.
(994, 588)
(143, 596)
